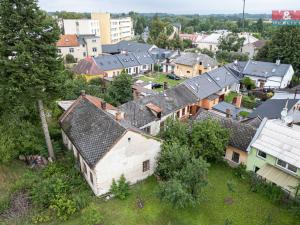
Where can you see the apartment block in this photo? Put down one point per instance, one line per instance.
(81, 26)
(114, 30)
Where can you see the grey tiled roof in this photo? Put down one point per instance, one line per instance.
(272, 108)
(144, 58)
(192, 59)
(223, 106)
(91, 130)
(223, 77)
(265, 69)
(241, 134)
(202, 86)
(108, 62)
(128, 60)
(129, 46)
(173, 99)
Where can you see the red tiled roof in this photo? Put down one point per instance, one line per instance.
(68, 40)
(89, 67)
(153, 107)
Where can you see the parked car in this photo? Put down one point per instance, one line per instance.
(156, 85)
(173, 77)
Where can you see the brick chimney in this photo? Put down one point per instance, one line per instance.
(119, 116)
(228, 113)
(237, 101)
(103, 105)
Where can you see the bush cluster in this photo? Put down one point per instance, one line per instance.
(120, 188)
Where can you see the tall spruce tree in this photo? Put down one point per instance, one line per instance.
(31, 69)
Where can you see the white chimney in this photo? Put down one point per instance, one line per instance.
(278, 62)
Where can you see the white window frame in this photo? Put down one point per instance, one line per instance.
(286, 166)
(261, 156)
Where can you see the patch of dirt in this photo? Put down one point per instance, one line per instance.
(19, 204)
(228, 201)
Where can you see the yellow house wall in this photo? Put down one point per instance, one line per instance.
(229, 152)
(182, 70)
(112, 73)
(104, 22)
(89, 77)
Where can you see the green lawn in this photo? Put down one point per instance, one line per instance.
(160, 78)
(247, 208)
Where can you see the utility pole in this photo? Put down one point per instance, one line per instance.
(244, 2)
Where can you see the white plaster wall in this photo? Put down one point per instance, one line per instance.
(85, 26)
(287, 78)
(78, 52)
(127, 158)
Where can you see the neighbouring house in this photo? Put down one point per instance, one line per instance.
(114, 29)
(80, 46)
(269, 75)
(204, 91)
(192, 64)
(126, 46)
(251, 49)
(275, 153)
(272, 108)
(113, 65)
(105, 146)
(225, 109)
(241, 135)
(194, 38)
(211, 41)
(89, 69)
(81, 26)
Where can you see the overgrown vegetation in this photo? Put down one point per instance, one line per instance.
(120, 188)
(57, 188)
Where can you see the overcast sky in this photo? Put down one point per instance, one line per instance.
(169, 6)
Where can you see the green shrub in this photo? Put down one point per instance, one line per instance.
(120, 189)
(248, 102)
(244, 114)
(63, 206)
(70, 59)
(41, 218)
(249, 84)
(91, 215)
(240, 171)
(4, 204)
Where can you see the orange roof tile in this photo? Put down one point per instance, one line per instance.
(68, 40)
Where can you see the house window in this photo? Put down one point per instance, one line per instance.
(129, 70)
(71, 50)
(261, 154)
(59, 51)
(178, 114)
(287, 166)
(188, 71)
(256, 169)
(91, 178)
(94, 40)
(146, 165)
(94, 49)
(144, 67)
(281, 163)
(84, 168)
(84, 54)
(235, 157)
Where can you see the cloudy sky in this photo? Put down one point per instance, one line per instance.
(169, 6)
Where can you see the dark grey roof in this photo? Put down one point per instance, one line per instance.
(91, 130)
(265, 69)
(202, 86)
(128, 60)
(223, 106)
(223, 77)
(144, 58)
(191, 59)
(173, 99)
(254, 122)
(272, 108)
(108, 62)
(129, 46)
(241, 134)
